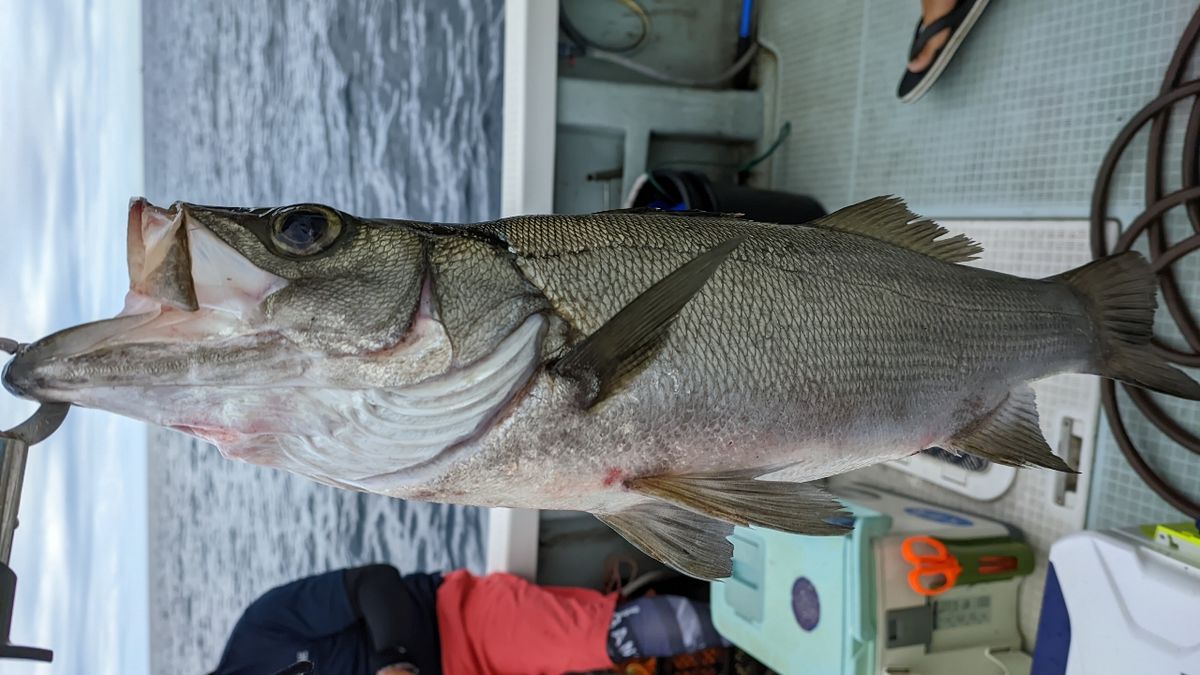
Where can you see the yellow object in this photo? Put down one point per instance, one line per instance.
(1181, 537)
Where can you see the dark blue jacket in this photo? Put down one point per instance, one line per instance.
(319, 619)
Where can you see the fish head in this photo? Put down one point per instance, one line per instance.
(234, 317)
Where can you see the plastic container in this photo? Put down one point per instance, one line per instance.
(803, 604)
(814, 604)
(1117, 602)
(683, 190)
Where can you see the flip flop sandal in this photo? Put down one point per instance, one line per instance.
(959, 20)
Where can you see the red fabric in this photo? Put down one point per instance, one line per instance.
(501, 624)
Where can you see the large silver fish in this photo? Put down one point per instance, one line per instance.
(646, 367)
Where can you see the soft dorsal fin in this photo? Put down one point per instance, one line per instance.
(741, 499)
(888, 219)
(691, 543)
(603, 357)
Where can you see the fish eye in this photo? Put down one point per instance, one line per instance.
(305, 230)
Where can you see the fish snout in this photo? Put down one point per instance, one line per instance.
(25, 376)
(191, 317)
(32, 375)
(17, 377)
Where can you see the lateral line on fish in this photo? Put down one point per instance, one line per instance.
(804, 273)
(701, 248)
(924, 301)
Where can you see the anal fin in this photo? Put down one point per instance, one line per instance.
(689, 542)
(740, 499)
(1010, 435)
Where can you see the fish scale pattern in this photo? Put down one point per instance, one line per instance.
(840, 326)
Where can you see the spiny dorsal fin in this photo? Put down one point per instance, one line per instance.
(689, 542)
(602, 357)
(1010, 435)
(888, 219)
(737, 498)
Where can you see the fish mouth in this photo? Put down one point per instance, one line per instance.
(191, 298)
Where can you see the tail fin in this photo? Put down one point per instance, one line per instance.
(1120, 292)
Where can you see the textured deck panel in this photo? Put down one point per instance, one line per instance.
(1016, 127)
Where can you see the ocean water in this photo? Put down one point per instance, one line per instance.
(378, 108)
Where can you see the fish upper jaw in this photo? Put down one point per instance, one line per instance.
(176, 262)
(191, 295)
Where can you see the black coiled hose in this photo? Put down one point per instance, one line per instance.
(1163, 254)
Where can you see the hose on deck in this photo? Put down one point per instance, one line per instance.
(1163, 254)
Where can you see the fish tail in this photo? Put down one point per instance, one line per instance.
(1119, 292)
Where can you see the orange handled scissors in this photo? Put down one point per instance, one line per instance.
(934, 569)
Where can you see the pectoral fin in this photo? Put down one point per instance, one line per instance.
(603, 357)
(740, 499)
(1010, 435)
(689, 542)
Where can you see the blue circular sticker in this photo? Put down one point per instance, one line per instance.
(938, 516)
(805, 604)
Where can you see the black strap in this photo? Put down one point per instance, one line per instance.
(400, 614)
(951, 20)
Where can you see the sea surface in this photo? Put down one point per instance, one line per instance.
(377, 108)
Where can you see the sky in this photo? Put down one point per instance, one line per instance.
(71, 128)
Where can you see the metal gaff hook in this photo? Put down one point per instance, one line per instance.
(45, 421)
(14, 448)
